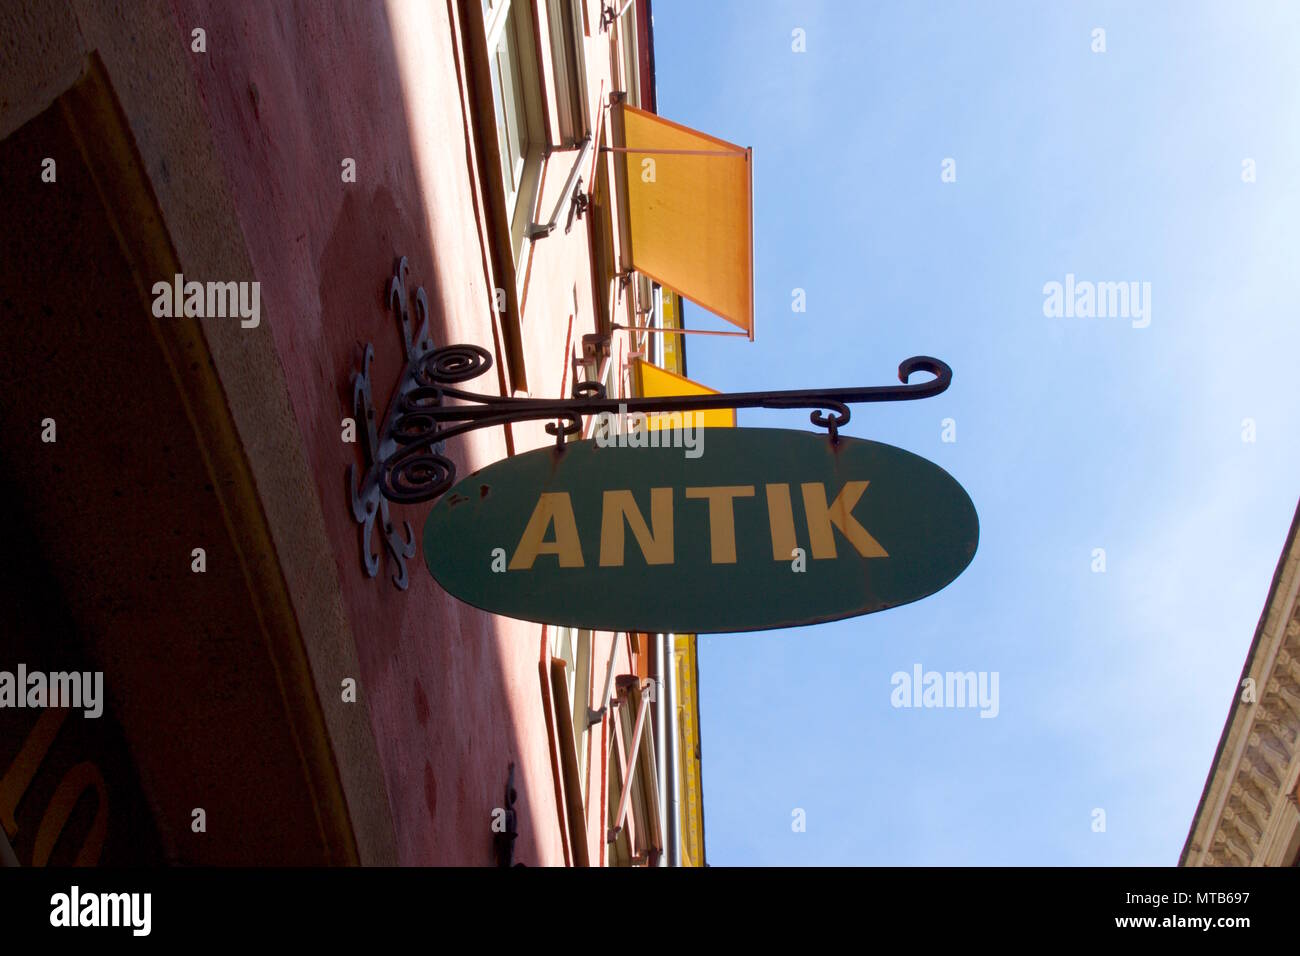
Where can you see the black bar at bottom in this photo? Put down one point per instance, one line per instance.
(503, 908)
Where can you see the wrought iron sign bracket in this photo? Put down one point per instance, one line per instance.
(404, 453)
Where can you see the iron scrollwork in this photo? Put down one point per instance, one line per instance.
(405, 454)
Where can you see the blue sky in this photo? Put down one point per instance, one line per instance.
(1072, 434)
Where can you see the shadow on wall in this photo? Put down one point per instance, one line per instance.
(292, 91)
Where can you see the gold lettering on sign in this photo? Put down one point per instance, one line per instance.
(722, 518)
(552, 508)
(656, 545)
(620, 511)
(780, 517)
(839, 513)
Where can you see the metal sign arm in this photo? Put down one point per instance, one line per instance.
(404, 459)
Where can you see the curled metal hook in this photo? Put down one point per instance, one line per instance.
(833, 423)
(572, 426)
(940, 369)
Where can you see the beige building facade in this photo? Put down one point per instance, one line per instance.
(1248, 814)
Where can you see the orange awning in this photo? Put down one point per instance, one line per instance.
(657, 383)
(689, 209)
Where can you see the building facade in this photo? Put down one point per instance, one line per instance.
(1249, 814)
(182, 470)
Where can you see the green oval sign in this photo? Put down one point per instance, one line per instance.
(764, 528)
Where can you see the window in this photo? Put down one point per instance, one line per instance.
(516, 100)
(619, 852)
(657, 321)
(627, 54)
(570, 70)
(633, 778)
(602, 226)
(574, 648)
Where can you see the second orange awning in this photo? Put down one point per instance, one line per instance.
(657, 383)
(689, 198)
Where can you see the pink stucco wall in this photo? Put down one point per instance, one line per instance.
(291, 91)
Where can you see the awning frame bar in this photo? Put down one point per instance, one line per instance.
(573, 194)
(630, 761)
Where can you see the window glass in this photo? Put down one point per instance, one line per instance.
(627, 54)
(512, 118)
(516, 101)
(501, 124)
(569, 70)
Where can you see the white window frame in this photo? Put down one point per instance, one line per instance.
(569, 60)
(508, 27)
(629, 68)
(573, 646)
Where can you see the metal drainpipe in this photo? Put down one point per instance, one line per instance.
(661, 745)
(674, 757)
